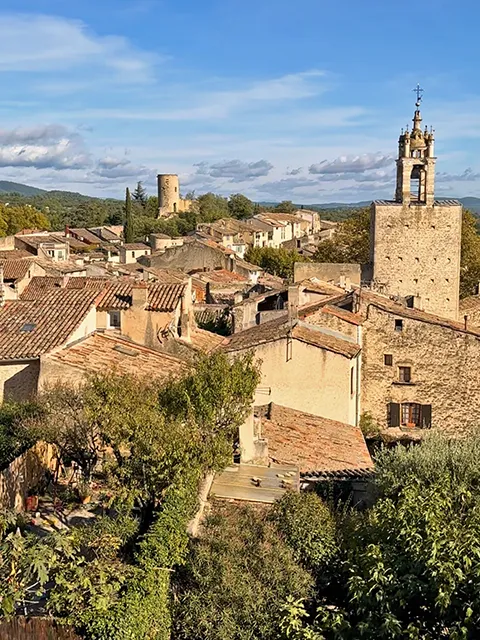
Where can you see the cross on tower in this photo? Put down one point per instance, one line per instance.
(418, 90)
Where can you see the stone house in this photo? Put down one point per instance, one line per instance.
(44, 245)
(132, 251)
(304, 367)
(31, 329)
(99, 353)
(419, 370)
(17, 274)
(285, 227)
(160, 241)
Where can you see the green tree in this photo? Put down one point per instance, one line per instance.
(240, 206)
(286, 206)
(237, 575)
(351, 241)
(278, 262)
(128, 228)
(211, 207)
(14, 218)
(140, 194)
(470, 255)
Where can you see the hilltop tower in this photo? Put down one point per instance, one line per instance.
(169, 200)
(415, 239)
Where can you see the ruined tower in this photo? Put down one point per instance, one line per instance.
(168, 194)
(415, 243)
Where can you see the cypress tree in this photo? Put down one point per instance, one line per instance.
(128, 233)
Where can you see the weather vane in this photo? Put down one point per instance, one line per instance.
(418, 90)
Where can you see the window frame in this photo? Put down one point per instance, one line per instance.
(399, 325)
(114, 313)
(405, 374)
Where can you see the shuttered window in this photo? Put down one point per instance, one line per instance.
(410, 414)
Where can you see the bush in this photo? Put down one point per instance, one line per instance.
(427, 463)
(308, 527)
(237, 577)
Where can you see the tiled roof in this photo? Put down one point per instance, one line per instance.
(314, 443)
(136, 246)
(343, 314)
(40, 285)
(15, 269)
(205, 341)
(221, 276)
(437, 203)
(280, 328)
(31, 328)
(85, 235)
(390, 306)
(470, 303)
(100, 352)
(60, 266)
(161, 297)
(104, 233)
(248, 266)
(15, 254)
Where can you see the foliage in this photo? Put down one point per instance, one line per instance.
(128, 228)
(14, 439)
(351, 241)
(211, 207)
(470, 256)
(140, 194)
(286, 206)
(240, 206)
(236, 578)
(14, 218)
(279, 262)
(370, 428)
(308, 528)
(428, 463)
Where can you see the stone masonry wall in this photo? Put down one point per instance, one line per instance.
(416, 251)
(444, 370)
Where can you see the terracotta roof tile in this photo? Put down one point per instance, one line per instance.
(84, 235)
(279, 328)
(136, 246)
(40, 285)
(100, 352)
(314, 443)
(221, 276)
(343, 314)
(15, 269)
(31, 328)
(161, 297)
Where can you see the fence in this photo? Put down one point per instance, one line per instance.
(35, 629)
(24, 474)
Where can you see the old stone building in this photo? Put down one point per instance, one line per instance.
(415, 239)
(169, 200)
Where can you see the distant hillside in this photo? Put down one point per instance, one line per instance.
(23, 189)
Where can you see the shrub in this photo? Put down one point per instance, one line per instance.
(307, 526)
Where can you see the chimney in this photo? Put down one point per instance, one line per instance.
(187, 322)
(293, 302)
(2, 287)
(139, 294)
(67, 231)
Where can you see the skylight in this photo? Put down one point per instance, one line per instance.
(27, 328)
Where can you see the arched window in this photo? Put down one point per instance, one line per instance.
(418, 184)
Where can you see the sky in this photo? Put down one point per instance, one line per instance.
(300, 100)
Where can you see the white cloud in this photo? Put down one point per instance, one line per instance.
(469, 175)
(41, 43)
(294, 172)
(351, 164)
(235, 170)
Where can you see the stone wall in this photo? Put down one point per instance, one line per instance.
(307, 378)
(19, 380)
(416, 252)
(329, 272)
(444, 365)
(322, 319)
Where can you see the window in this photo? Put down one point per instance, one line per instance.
(27, 328)
(352, 382)
(404, 374)
(417, 259)
(388, 360)
(398, 325)
(133, 254)
(174, 207)
(146, 253)
(410, 414)
(415, 281)
(114, 319)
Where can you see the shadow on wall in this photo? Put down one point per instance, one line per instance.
(22, 383)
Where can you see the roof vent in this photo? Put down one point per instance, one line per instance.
(125, 350)
(27, 328)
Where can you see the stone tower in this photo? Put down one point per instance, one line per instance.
(415, 239)
(168, 194)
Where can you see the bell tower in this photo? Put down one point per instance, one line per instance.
(415, 239)
(416, 162)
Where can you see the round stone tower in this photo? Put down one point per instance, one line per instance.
(168, 194)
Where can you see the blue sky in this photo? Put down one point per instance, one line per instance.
(298, 100)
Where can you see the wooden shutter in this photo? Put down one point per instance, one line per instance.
(426, 416)
(393, 414)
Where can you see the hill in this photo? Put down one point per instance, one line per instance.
(16, 187)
